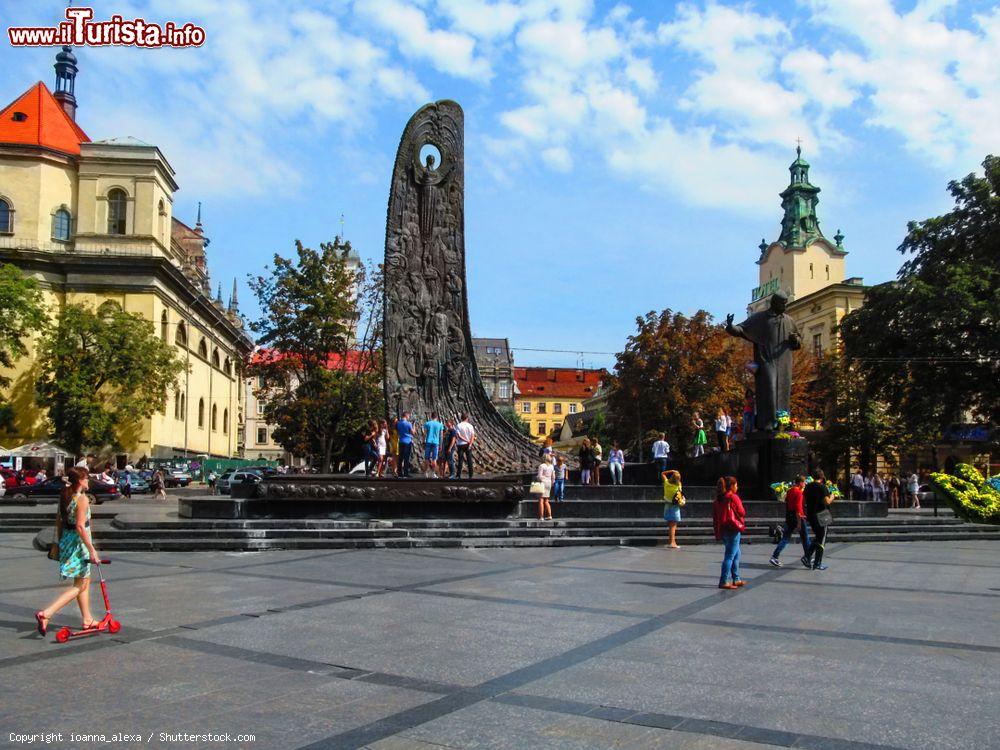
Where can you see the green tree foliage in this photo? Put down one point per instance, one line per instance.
(508, 413)
(21, 312)
(927, 344)
(101, 373)
(673, 366)
(321, 333)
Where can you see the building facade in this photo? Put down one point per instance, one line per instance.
(548, 395)
(496, 369)
(93, 222)
(807, 267)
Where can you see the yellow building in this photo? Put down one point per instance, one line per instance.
(807, 267)
(545, 396)
(92, 222)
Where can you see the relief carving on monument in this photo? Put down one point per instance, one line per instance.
(429, 365)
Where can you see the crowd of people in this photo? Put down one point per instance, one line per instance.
(448, 447)
(899, 491)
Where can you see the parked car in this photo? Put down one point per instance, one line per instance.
(176, 478)
(264, 471)
(138, 482)
(50, 489)
(9, 478)
(228, 479)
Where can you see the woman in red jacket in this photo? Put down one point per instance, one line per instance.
(727, 516)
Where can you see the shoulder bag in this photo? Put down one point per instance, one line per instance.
(824, 518)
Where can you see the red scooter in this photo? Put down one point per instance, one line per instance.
(106, 624)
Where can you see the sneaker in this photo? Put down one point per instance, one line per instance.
(819, 567)
(805, 561)
(775, 562)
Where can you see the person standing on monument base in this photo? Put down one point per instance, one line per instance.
(405, 429)
(466, 438)
(661, 453)
(448, 446)
(700, 439)
(586, 456)
(545, 477)
(432, 442)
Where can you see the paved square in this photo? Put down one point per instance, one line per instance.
(897, 645)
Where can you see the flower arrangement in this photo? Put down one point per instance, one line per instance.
(781, 488)
(969, 494)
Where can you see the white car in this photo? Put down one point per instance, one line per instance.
(236, 477)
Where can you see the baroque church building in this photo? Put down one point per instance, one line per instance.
(93, 222)
(809, 268)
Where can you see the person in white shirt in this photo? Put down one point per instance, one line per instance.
(912, 488)
(545, 477)
(466, 437)
(661, 451)
(858, 486)
(722, 430)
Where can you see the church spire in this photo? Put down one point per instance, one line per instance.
(799, 225)
(233, 303)
(66, 71)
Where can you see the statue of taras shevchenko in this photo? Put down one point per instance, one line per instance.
(774, 336)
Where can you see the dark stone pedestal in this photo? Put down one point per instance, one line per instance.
(757, 463)
(324, 496)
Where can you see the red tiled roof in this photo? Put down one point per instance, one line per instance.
(557, 382)
(46, 125)
(355, 360)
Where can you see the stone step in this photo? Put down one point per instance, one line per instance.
(182, 544)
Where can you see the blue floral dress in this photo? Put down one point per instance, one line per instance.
(73, 553)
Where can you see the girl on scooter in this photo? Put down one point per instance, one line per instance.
(76, 549)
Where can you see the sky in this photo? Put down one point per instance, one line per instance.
(621, 157)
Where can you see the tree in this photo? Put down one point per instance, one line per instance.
(926, 344)
(673, 366)
(321, 325)
(21, 312)
(508, 413)
(102, 373)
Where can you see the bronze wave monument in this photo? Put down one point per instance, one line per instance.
(429, 362)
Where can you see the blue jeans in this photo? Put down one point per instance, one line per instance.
(786, 537)
(558, 489)
(731, 561)
(661, 466)
(451, 463)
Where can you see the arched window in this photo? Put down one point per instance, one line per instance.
(215, 417)
(61, 225)
(177, 404)
(117, 204)
(203, 349)
(225, 421)
(228, 366)
(215, 359)
(163, 325)
(163, 219)
(181, 337)
(184, 407)
(201, 412)
(6, 217)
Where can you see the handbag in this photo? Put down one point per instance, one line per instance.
(679, 500)
(824, 518)
(537, 488)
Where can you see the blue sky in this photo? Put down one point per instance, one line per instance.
(620, 156)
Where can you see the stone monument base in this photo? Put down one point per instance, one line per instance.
(326, 495)
(757, 462)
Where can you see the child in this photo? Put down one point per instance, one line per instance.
(673, 499)
(559, 485)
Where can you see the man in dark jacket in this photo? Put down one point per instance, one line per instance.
(817, 500)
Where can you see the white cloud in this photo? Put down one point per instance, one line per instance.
(484, 20)
(936, 85)
(558, 158)
(450, 52)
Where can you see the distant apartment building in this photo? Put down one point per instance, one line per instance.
(496, 365)
(548, 395)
